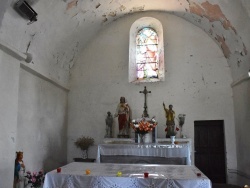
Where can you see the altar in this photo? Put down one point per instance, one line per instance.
(145, 147)
(126, 151)
(103, 175)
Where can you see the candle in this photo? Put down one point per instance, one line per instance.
(87, 171)
(119, 174)
(58, 170)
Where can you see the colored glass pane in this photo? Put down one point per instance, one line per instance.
(147, 57)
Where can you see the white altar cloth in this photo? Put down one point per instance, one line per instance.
(103, 175)
(153, 150)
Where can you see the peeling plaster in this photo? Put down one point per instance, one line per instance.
(212, 13)
(72, 4)
(84, 11)
(112, 14)
(105, 18)
(239, 62)
(75, 50)
(122, 8)
(225, 49)
(140, 8)
(98, 5)
(210, 31)
(28, 46)
(245, 49)
(74, 15)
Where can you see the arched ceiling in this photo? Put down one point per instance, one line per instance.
(65, 27)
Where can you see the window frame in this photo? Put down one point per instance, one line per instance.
(138, 25)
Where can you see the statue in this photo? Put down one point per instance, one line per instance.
(109, 125)
(170, 116)
(19, 177)
(122, 112)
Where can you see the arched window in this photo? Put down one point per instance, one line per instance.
(146, 54)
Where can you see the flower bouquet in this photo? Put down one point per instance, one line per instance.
(143, 126)
(35, 179)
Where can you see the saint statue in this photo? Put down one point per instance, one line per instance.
(109, 125)
(170, 116)
(122, 112)
(19, 171)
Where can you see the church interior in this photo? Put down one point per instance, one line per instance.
(66, 63)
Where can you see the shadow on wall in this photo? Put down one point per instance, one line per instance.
(56, 156)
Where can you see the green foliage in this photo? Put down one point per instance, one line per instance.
(84, 142)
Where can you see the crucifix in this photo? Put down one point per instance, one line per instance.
(145, 92)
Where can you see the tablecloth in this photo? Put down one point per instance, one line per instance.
(103, 175)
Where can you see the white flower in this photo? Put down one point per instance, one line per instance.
(136, 125)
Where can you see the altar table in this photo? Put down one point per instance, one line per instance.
(104, 175)
(153, 153)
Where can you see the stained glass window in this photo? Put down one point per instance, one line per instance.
(147, 56)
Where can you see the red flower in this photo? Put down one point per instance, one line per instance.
(166, 130)
(177, 129)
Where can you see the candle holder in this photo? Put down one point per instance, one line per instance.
(181, 119)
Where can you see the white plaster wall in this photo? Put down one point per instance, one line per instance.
(197, 82)
(9, 76)
(3, 5)
(42, 123)
(46, 40)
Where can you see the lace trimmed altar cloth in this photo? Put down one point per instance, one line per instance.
(104, 176)
(144, 150)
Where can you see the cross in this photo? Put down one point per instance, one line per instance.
(145, 92)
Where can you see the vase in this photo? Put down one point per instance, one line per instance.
(148, 137)
(142, 138)
(172, 138)
(85, 154)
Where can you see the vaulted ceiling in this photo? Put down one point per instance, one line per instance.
(65, 27)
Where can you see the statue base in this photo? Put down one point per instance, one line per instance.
(122, 136)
